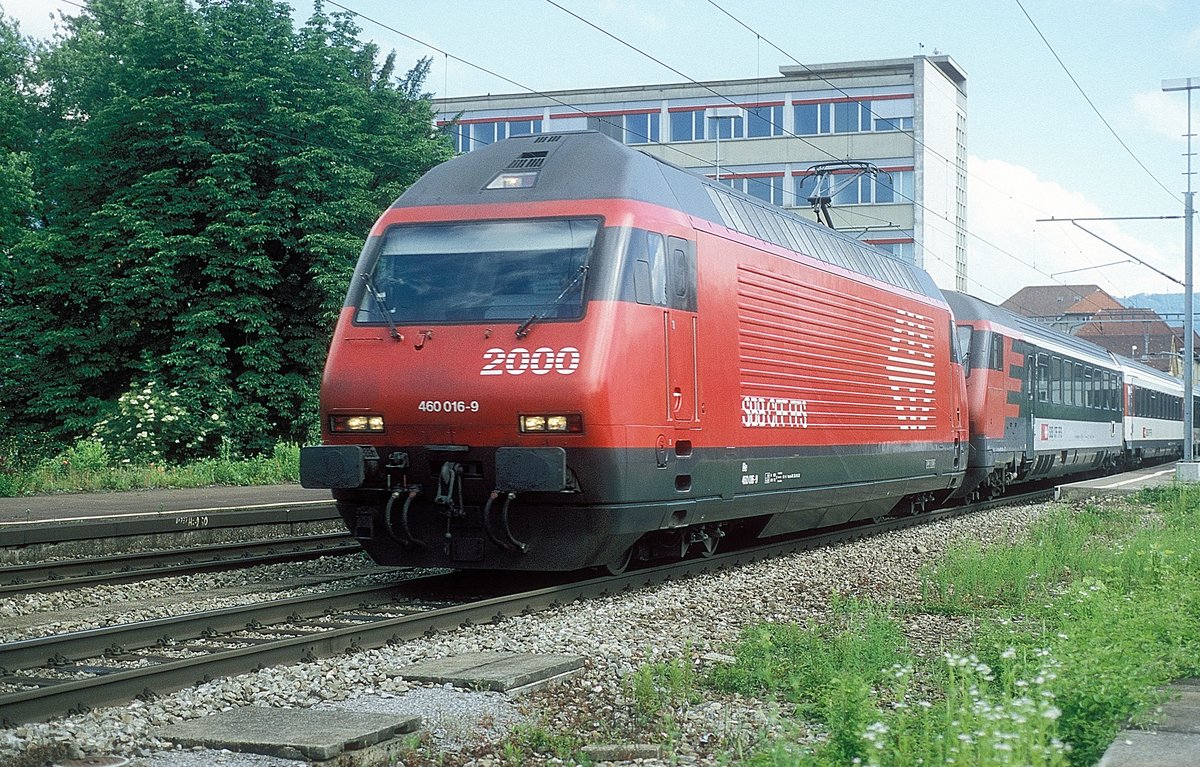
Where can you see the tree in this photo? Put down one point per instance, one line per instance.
(18, 202)
(214, 173)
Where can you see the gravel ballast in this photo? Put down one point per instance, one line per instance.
(698, 619)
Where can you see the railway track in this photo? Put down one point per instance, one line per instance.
(125, 568)
(43, 678)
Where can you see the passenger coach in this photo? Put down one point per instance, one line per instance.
(1043, 404)
(558, 352)
(1153, 413)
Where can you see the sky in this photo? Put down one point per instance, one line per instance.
(1066, 113)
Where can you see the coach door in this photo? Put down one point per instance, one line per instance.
(679, 330)
(1034, 379)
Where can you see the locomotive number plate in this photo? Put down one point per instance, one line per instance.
(539, 362)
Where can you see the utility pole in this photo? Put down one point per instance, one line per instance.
(1189, 469)
(716, 115)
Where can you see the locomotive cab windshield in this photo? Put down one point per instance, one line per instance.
(478, 270)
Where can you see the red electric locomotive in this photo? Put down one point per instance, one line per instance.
(558, 352)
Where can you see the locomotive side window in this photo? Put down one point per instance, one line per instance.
(648, 257)
(963, 335)
(494, 270)
(681, 274)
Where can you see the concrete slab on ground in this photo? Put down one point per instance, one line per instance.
(319, 735)
(1140, 748)
(1120, 484)
(1174, 741)
(497, 671)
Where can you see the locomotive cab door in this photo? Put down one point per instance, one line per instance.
(679, 331)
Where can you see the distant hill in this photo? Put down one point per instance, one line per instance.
(1163, 303)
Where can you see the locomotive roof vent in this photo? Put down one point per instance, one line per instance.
(542, 139)
(528, 160)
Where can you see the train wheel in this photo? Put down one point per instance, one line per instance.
(620, 564)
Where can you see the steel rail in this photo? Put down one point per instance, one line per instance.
(120, 686)
(125, 568)
(123, 639)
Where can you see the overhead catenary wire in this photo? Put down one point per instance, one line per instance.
(1091, 103)
(935, 214)
(916, 141)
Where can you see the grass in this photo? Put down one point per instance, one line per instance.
(85, 468)
(1079, 626)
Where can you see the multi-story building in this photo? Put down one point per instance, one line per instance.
(774, 138)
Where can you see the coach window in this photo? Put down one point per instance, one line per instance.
(1043, 378)
(1088, 374)
(996, 358)
(1056, 380)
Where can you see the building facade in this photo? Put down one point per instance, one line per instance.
(885, 141)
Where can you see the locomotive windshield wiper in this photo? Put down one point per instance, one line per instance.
(395, 333)
(523, 329)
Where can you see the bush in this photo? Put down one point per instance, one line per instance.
(151, 425)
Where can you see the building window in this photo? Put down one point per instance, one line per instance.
(524, 127)
(642, 128)
(612, 126)
(806, 185)
(483, 134)
(812, 119)
(726, 127)
(893, 123)
(851, 116)
(894, 186)
(766, 188)
(764, 121)
(471, 136)
(687, 126)
(901, 250)
(819, 117)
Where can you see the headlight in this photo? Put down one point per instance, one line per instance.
(356, 423)
(569, 423)
(513, 180)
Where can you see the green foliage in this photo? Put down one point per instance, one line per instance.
(151, 425)
(1079, 627)
(1025, 572)
(206, 215)
(1114, 611)
(803, 664)
(528, 741)
(656, 688)
(89, 467)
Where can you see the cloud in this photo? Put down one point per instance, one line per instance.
(1162, 112)
(1009, 248)
(1191, 41)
